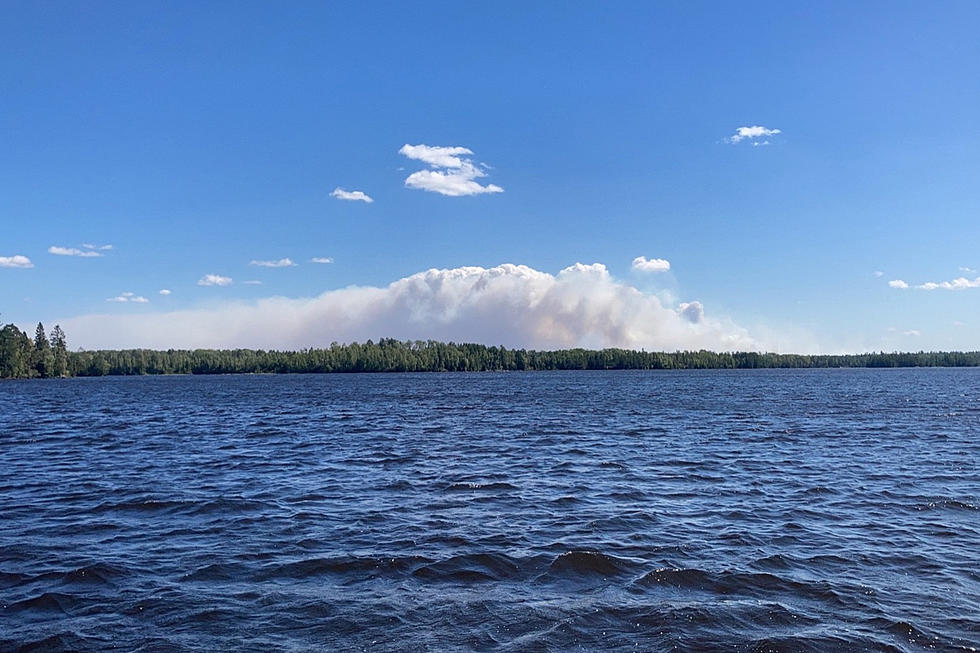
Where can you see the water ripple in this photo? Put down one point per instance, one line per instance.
(769, 510)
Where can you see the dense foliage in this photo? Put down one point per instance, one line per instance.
(22, 357)
(395, 356)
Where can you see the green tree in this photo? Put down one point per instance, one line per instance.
(16, 353)
(59, 348)
(43, 356)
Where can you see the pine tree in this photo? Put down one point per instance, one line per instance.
(43, 358)
(59, 346)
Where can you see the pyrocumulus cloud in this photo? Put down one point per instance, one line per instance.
(512, 305)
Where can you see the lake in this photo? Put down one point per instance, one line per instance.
(717, 510)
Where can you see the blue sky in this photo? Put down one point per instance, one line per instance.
(195, 138)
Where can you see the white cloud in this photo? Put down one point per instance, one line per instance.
(214, 280)
(15, 261)
(753, 134)
(878, 274)
(643, 264)
(451, 174)
(451, 184)
(353, 195)
(912, 332)
(252, 282)
(960, 283)
(91, 246)
(165, 291)
(281, 263)
(513, 305)
(128, 297)
(437, 156)
(321, 259)
(72, 251)
(967, 270)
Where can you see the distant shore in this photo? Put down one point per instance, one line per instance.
(24, 357)
(389, 355)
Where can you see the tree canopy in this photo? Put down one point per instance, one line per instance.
(22, 357)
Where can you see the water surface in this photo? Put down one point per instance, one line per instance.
(750, 510)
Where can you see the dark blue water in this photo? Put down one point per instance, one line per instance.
(816, 510)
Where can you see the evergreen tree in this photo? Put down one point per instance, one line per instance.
(16, 353)
(59, 347)
(43, 357)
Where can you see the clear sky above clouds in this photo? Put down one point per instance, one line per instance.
(784, 176)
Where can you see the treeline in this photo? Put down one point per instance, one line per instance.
(23, 357)
(388, 355)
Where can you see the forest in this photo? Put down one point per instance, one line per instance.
(48, 357)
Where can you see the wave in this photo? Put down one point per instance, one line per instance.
(362, 567)
(573, 563)
(45, 602)
(761, 584)
(467, 568)
(468, 486)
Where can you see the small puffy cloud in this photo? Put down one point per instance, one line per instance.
(126, 297)
(967, 270)
(878, 274)
(643, 264)
(757, 135)
(451, 184)
(73, 251)
(960, 283)
(214, 280)
(436, 156)
(352, 195)
(15, 261)
(165, 291)
(321, 259)
(897, 283)
(452, 174)
(91, 246)
(912, 332)
(281, 263)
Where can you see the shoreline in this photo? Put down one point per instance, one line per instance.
(390, 357)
